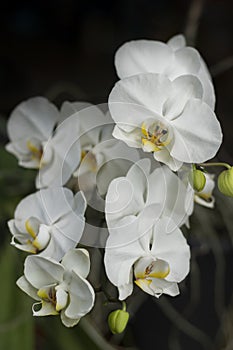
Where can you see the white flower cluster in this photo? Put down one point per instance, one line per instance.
(162, 108)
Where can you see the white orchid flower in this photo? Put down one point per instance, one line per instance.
(98, 147)
(49, 222)
(95, 127)
(59, 288)
(95, 136)
(172, 59)
(39, 140)
(154, 195)
(156, 261)
(164, 117)
(30, 125)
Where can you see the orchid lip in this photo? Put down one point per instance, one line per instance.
(155, 269)
(40, 233)
(36, 150)
(155, 135)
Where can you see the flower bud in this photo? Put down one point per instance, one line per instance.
(225, 182)
(117, 321)
(197, 179)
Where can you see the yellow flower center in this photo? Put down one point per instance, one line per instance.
(154, 136)
(156, 269)
(57, 298)
(36, 151)
(48, 294)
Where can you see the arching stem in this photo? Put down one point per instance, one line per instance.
(215, 164)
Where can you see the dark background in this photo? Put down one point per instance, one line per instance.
(65, 49)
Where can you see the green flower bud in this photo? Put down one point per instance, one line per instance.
(197, 179)
(117, 321)
(225, 182)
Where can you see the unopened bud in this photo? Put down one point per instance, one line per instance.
(225, 182)
(117, 321)
(197, 179)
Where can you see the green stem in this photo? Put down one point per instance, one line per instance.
(123, 305)
(215, 164)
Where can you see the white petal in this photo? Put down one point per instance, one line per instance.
(161, 286)
(113, 169)
(125, 290)
(20, 150)
(120, 200)
(40, 271)
(146, 220)
(34, 117)
(77, 260)
(32, 226)
(157, 286)
(197, 133)
(187, 61)
(43, 237)
(173, 59)
(47, 206)
(20, 238)
(68, 322)
(69, 108)
(11, 225)
(137, 98)
(54, 208)
(23, 284)
(166, 189)
(58, 246)
(156, 187)
(208, 88)
(138, 177)
(80, 203)
(87, 183)
(28, 207)
(55, 203)
(71, 225)
(177, 42)
(82, 297)
(172, 248)
(165, 157)
(90, 137)
(88, 165)
(183, 88)
(132, 139)
(142, 56)
(64, 236)
(61, 299)
(123, 248)
(66, 149)
(90, 120)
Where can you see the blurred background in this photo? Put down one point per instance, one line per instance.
(64, 50)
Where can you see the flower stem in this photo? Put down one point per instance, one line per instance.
(123, 305)
(215, 164)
